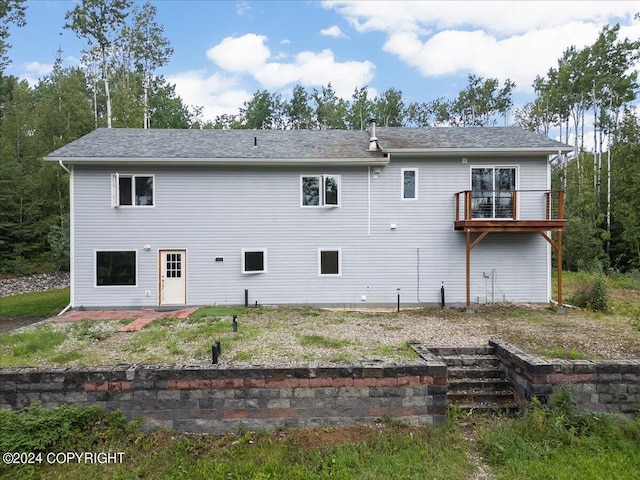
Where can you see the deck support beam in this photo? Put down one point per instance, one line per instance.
(470, 246)
(557, 245)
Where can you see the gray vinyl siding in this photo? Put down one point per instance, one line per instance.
(215, 212)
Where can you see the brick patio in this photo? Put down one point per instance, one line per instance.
(141, 317)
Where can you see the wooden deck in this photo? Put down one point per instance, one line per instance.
(478, 225)
(470, 210)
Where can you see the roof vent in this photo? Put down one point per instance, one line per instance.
(373, 140)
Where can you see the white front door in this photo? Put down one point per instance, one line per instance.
(173, 283)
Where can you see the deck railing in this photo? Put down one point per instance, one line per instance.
(510, 205)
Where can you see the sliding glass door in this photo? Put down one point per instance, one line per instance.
(492, 192)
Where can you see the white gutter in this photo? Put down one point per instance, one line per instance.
(240, 162)
(472, 151)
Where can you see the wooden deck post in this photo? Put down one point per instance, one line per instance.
(468, 269)
(559, 256)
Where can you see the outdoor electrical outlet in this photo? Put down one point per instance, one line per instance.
(147, 293)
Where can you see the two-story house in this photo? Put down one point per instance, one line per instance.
(327, 218)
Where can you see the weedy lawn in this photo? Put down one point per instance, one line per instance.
(552, 441)
(289, 335)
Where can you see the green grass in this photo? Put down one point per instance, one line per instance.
(567, 354)
(547, 442)
(34, 305)
(561, 443)
(322, 341)
(628, 281)
(403, 351)
(213, 311)
(388, 450)
(19, 349)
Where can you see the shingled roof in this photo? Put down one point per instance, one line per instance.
(471, 138)
(215, 145)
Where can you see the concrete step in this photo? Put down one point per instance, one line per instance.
(479, 385)
(476, 380)
(456, 351)
(480, 397)
(474, 372)
(488, 408)
(477, 361)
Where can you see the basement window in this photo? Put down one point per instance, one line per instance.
(116, 268)
(320, 191)
(329, 262)
(254, 261)
(132, 190)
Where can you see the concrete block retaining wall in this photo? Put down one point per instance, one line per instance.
(217, 399)
(611, 386)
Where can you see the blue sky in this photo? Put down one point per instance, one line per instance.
(224, 51)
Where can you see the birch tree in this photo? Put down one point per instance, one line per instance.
(100, 23)
(150, 48)
(360, 109)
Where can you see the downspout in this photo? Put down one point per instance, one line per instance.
(64, 167)
(65, 309)
(369, 201)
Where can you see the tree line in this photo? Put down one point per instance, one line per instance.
(586, 99)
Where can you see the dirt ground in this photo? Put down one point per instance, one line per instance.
(10, 324)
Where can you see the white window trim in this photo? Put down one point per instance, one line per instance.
(115, 190)
(111, 250)
(264, 260)
(320, 250)
(516, 167)
(322, 178)
(517, 186)
(402, 197)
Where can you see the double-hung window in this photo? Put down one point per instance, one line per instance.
(320, 190)
(132, 190)
(492, 190)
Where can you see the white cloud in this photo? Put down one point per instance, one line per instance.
(217, 94)
(240, 54)
(333, 31)
(500, 17)
(519, 57)
(249, 54)
(34, 71)
(243, 8)
(503, 39)
(38, 68)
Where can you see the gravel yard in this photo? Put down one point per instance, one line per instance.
(300, 335)
(289, 335)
